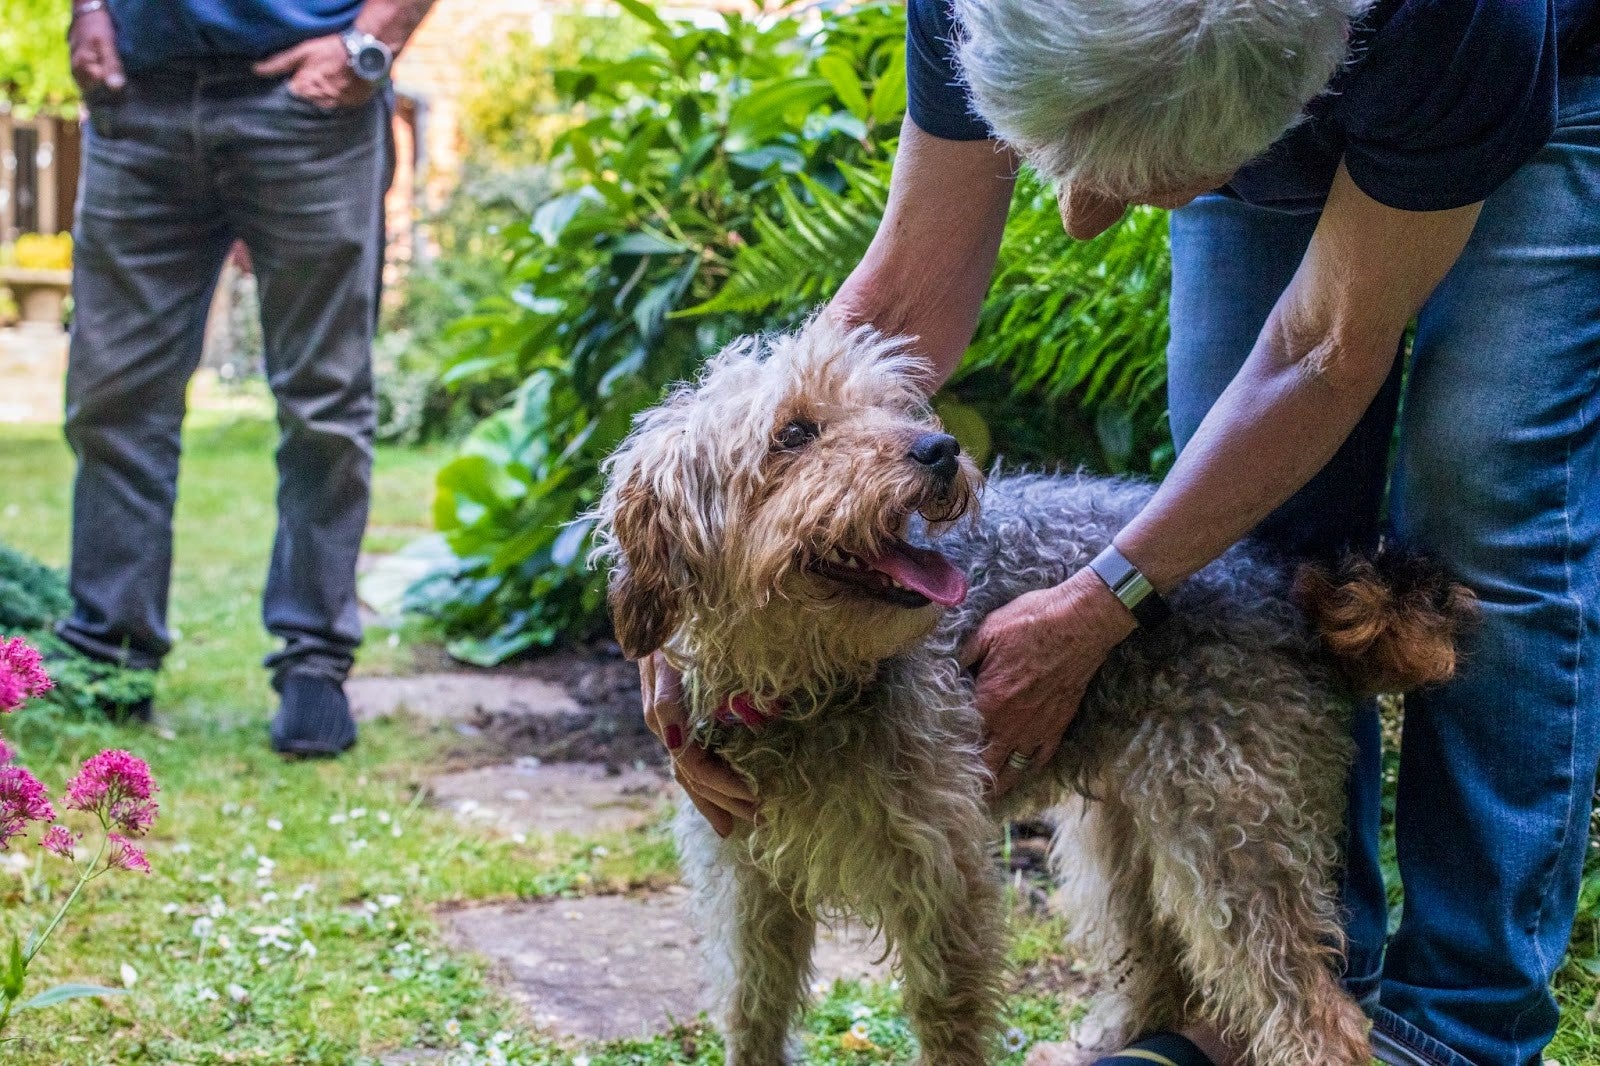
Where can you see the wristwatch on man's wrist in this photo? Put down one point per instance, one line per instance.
(370, 58)
(1131, 587)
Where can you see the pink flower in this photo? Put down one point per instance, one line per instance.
(126, 855)
(115, 785)
(22, 800)
(22, 674)
(59, 839)
(6, 754)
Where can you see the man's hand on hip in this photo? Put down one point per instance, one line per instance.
(319, 73)
(92, 42)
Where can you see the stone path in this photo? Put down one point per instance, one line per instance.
(608, 967)
(458, 696)
(532, 797)
(594, 967)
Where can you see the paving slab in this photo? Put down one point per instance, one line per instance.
(530, 796)
(458, 696)
(612, 967)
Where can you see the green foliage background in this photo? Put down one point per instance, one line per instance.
(34, 72)
(33, 597)
(723, 180)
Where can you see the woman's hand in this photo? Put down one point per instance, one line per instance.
(1034, 659)
(715, 790)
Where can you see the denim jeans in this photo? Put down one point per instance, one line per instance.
(1497, 474)
(176, 167)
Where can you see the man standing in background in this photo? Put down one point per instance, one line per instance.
(267, 122)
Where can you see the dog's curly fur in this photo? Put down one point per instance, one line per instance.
(1200, 787)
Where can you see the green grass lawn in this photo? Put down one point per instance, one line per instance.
(288, 917)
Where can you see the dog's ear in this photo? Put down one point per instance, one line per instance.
(643, 595)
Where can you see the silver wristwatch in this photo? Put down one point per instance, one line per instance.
(370, 58)
(1129, 585)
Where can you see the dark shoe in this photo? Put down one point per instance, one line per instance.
(313, 717)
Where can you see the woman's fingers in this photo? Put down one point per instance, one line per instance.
(718, 793)
(711, 774)
(721, 821)
(665, 713)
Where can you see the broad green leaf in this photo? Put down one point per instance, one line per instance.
(889, 95)
(16, 970)
(841, 74)
(570, 541)
(62, 993)
(761, 114)
(644, 242)
(642, 11)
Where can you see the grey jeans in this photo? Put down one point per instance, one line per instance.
(176, 167)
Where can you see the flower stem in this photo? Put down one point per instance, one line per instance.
(85, 874)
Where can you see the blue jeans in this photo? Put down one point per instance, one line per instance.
(1497, 474)
(177, 166)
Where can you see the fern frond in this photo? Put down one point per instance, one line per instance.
(803, 251)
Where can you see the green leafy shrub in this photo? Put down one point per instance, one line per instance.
(33, 597)
(510, 117)
(677, 150)
(724, 180)
(419, 338)
(35, 74)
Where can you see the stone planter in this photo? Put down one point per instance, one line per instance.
(40, 293)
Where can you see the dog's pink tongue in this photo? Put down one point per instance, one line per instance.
(924, 571)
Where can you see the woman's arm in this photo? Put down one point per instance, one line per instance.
(930, 263)
(1324, 353)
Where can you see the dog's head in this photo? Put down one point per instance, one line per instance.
(763, 510)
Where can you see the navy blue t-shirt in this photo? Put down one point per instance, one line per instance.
(151, 33)
(1440, 102)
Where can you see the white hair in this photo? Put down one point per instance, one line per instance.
(1135, 96)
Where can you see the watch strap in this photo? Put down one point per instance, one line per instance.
(1131, 587)
(355, 42)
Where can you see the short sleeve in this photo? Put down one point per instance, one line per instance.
(934, 96)
(1449, 99)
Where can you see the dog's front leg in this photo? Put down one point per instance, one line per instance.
(948, 923)
(757, 946)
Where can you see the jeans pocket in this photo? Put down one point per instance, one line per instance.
(312, 109)
(102, 105)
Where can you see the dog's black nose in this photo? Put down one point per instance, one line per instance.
(937, 452)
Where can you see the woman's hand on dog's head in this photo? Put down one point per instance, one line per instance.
(715, 790)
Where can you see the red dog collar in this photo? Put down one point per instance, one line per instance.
(741, 709)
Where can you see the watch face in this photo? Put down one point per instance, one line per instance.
(370, 62)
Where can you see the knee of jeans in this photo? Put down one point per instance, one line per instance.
(112, 418)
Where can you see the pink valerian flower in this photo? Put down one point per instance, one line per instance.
(116, 785)
(125, 854)
(59, 839)
(6, 754)
(22, 675)
(22, 800)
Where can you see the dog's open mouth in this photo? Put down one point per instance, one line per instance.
(901, 574)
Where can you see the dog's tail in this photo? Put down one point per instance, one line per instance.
(1390, 622)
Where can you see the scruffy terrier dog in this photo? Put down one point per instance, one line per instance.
(786, 529)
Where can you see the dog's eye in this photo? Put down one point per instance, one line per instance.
(797, 433)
